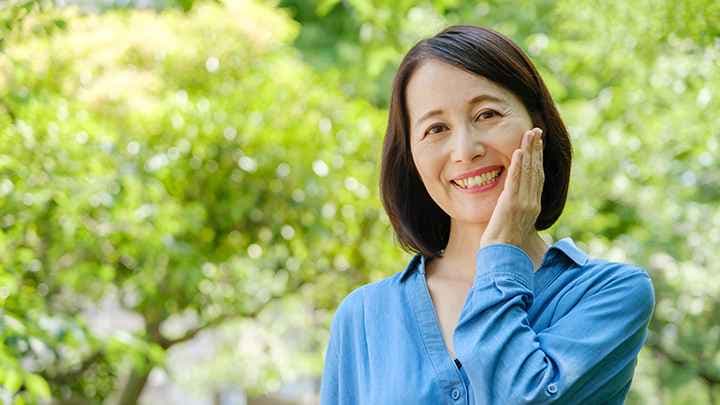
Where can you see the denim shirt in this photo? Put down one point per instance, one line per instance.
(568, 333)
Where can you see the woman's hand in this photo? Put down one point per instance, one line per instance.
(519, 204)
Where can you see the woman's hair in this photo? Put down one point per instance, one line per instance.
(420, 225)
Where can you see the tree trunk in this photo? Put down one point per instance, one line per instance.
(133, 387)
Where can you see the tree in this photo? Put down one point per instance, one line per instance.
(190, 164)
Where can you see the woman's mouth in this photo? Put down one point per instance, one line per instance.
(481, 183)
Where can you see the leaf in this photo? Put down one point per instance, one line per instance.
(13, 381)
(325, 6)
(37, 386)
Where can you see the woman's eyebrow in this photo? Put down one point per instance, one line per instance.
(476, 99)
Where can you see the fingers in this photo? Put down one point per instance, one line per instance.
(536, 167)
(527, 136)
(525, 175)
(512, 181)
(527, 192)
(540, 171)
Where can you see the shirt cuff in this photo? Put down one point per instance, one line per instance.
(504, 260)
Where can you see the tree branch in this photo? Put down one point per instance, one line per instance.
(165, 343)
(73, 375)
(705, 373)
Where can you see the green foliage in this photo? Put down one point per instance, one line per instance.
(14, 21)
(199, 161)
(188, 164)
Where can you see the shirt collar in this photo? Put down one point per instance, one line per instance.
(565, 245)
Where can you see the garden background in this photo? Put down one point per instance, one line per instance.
(189, 188)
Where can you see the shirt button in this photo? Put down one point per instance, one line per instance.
(455, 393)
(552, 388)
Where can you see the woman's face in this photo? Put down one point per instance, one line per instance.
(459, 123)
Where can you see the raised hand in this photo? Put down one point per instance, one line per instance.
(519, 204)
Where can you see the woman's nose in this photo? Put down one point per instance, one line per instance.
(465, 146)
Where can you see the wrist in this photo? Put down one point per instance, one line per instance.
(495, 241)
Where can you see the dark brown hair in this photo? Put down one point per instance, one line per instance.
(421, 226)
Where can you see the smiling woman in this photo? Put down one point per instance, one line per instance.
(491, 94)
(476, 161)
(459, 147)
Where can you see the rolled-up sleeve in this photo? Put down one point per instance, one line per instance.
(584, 356)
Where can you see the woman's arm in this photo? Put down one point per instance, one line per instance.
(584, 356)
(330, 383)
(339, 384)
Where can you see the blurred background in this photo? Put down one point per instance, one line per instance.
(189, 188)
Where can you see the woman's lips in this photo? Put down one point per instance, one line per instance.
(480, 189)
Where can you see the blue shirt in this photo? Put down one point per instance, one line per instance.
(568, 333)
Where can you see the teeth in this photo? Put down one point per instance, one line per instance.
(478, 180)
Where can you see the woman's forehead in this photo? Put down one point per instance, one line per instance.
(438, 85)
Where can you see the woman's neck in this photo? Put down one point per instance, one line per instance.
(458, 259)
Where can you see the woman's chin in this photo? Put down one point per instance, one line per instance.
(473, 218)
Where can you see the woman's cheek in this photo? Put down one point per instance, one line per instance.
(508, 137)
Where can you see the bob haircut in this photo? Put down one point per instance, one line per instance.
(421, 226)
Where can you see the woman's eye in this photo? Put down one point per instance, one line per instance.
(487, 114)
(430, 130)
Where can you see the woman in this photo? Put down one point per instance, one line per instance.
(476, 161)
